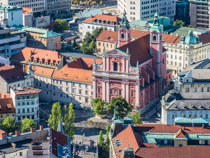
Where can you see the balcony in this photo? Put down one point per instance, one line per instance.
(16, 46)
(8, 40)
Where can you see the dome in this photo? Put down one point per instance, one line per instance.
(191, 39)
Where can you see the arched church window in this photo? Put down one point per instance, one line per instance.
(154, 38)
(131, 101)
(122, 35)
(115, 66)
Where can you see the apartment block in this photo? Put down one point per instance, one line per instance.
(143, 9)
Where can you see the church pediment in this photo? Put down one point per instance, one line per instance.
(116, 52)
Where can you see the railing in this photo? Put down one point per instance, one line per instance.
(11, 39)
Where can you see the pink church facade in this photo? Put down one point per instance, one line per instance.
(135, 70)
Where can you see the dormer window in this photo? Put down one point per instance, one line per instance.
(154, 38)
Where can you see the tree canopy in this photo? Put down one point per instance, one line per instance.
(179, 23)
(54, 117)
(121, 105)
(136, 117)
(9, 124)
(89, 42)
(26, 124)
(69, 121)
(100, 107)
(60, 25)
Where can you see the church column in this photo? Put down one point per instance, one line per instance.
(127, 66)
(94, 88)
(123, 65)
(104, 90)
(137, 94)
(107, 63)
(104, 63)
(107, 91)
(123, 90)
(127, 92)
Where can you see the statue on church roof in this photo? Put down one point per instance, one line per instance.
(124, 23)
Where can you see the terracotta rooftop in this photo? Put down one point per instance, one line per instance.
(4, 95)
(12, 75)
(112, 36)
(180, 134)
(6, 106)
(174, 152)
(5, 67)
(43, 71)
(159, 128)
(139, 49)
(34, 54)
(103, 20)
(171, 39)
(26, 90)
(26, 10)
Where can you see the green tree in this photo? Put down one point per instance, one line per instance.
(121, 105)
(60, 25)
(100, 139)
(89, 42)
(179, 23)
(69, 121)
(54, 117)
(136, 117)
(107, 136)
(99, 106)
(9, 124)
(26, 124)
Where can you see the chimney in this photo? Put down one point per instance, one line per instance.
(13, 145)
(41, 127)
(0, 95)
(3, 135)
(5, 96)
(33, 129)
(17, 132)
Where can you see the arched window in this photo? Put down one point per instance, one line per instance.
(131, 101)
(115, 66)
(154, 38)
(122, 35)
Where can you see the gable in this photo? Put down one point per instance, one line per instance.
(116, 52)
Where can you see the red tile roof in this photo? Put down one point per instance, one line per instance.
(6, 106)
(127, 137)
(139, 50)
(26, 10)
(174, 152)
(205, 38)
(173, 128)
(4, 95)
(43, 71)
(26, 90)
(12, 75)
(180, 134)
(102, 18)
(171, 39)
(112, 36)
(33, 54)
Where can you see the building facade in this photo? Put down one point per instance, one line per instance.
(11, 77)
(107, 21)
(11, 42)
(26, 103)
(134, 70)
(199, 13)
(38, 6)
(144, 9)
(182, 11)
(43, 39)
(11, 15)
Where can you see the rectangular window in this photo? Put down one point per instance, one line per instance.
(73, 90)
(80, 91)
(99, 90)
(110, 91)
(20, 154)
(86, 92)
(119, 92)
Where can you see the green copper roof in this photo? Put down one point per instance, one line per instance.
(156, 26)
(190, 120)
(45, 33)
(128, 118)
(124, 23)
(191, 39)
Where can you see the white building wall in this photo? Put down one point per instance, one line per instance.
(89, 27)
(143, 9)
